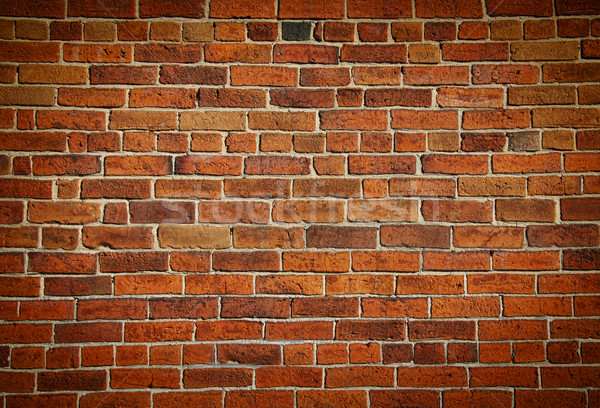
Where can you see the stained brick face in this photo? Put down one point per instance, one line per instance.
(246, 203)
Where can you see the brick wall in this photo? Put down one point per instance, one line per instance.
(283, 203)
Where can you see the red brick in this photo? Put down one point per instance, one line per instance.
(454, 164)
(589, 352)
(462, 353)
(369, 330)
(479, 306)
(431, 377)
(338, 32)
(147, 284)
(416, 236)
(386, 398)
(11, 381)
(564, 7)
(264, 76)
(46, 310)
(430, 284)
(440, 31)
(262, 31)
(111, 399)
(341, 237)
(549, 398)
(300, 330)
(537, 306)
(381, 165)
(255, 307)
(571, 377)
(397, 97)
(277, 165)
(241, 261)
(63, 212)
(267, 377)
(529, 352)
(332, 398)
(580, 328)
(78, 286)
(504, 377)
(473, 30)
(172, 8)
(389, 53)
(87, 332)
(186, 399)
(494, 330)
(26, 237)
(457, 211)
(62, 357)
(398, 261)
(33, 141)
(580, 162)
(525, 210)
(537, 163)
(563, 352)
(133, 261)
(228, 330)
(373, 32)
(495, 353)
(219, 284)
(53, 119)
(534, 261)
(94, 309)
(353, 120)
(566, 117)
(256, 398)
(217, 377)
(470, 97)
(122, 74)
(117, 237)
(562, 235)
(441, 9)
(176, 74)
(265, 120)
(394, 308)
(27, 357)
(19, 286)
(290, 284)
(488, 237)
(15, 51)
(379, 9)
(325, 307)
(361, 376)
(578, 209)
(305, 54)
(169, 53)
(312, 9)
(144, 378)
(11, 212)
(42, 400)
(255, 354)
(467, 52)
(242, 9)
(131, 355)
(538, 8)
(436, 75)
(265, 188)
(429, 187)
(48, 262)
(359, 283)
(415, 119)
(437, 329)
(336, 353)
